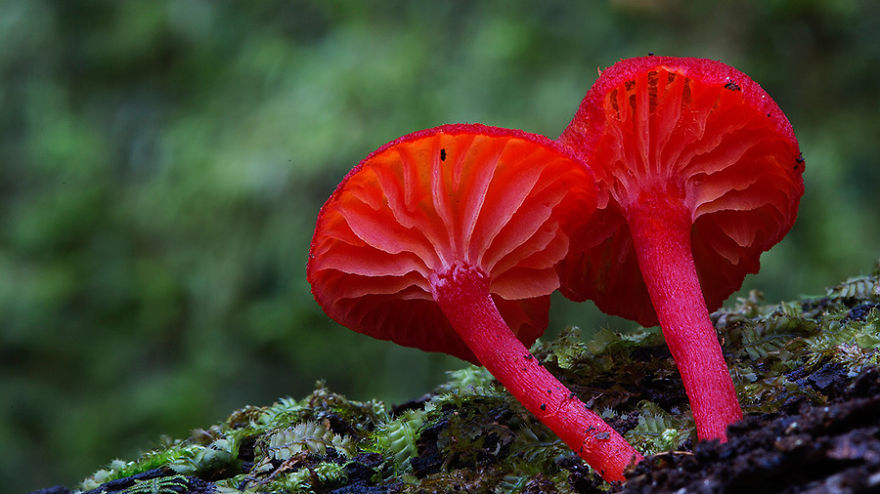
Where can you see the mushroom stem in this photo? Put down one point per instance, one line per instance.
(463, 295)
(660, 225)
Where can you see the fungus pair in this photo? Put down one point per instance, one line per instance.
(451, 239)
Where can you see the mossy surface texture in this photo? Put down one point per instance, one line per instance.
(469, 435)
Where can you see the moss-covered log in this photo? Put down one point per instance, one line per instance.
(800, 368)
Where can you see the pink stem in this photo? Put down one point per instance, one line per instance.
(661, 225)
(463, 295)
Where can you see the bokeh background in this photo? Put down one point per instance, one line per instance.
(162, 163)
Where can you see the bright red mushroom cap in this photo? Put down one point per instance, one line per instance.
(493, 199)
(699, 129)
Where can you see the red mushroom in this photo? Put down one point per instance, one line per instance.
(699, 172)
(447, 240)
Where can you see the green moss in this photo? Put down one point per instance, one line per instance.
(172, 484)
(470, 434)
(659, 430)
(396, 439)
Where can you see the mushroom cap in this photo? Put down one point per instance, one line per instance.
(697, 129)
(498, 200)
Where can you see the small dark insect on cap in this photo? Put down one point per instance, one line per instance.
(443, 154)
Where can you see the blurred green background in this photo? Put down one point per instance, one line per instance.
(162, 163)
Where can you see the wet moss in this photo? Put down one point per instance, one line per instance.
(470, 435)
